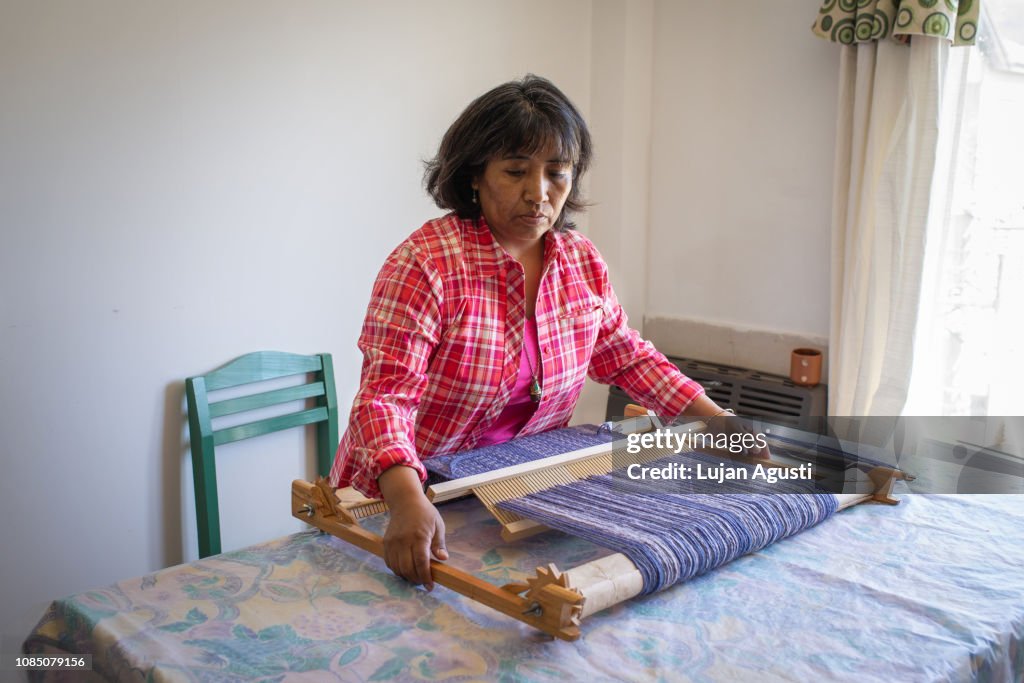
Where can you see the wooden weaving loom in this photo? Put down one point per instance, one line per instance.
(552, 601)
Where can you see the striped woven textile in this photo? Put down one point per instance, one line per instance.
(672, 537)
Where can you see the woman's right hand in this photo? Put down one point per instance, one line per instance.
(415, 532)
(721, 421)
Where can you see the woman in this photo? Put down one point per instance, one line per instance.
(484, 324)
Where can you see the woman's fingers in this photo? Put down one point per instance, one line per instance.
(421, 566)
(409, 560)
(414, 534)
(437, 547)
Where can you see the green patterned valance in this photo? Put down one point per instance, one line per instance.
(861, 21)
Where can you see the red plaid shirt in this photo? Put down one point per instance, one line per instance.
(442, 338)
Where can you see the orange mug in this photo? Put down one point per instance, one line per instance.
(805, 367)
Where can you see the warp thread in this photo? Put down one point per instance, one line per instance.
(672, 537)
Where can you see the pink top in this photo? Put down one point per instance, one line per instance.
(520, 406)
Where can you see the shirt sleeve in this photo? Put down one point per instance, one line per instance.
(622, 357)
(399, 334)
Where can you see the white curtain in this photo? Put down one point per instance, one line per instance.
(889, 105)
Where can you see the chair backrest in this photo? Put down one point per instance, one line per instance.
(248, 369)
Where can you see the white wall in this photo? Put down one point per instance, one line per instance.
(741, 178)
(620, 123)
(184, 182)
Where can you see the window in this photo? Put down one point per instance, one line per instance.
(969, 352)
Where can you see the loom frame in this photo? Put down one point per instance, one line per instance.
(552, 601)
(545, 601)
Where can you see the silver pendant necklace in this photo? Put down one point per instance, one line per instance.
(536, 391)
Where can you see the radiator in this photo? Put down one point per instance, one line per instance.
(749, 392)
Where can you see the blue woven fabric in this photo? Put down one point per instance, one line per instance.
(672, 537)
(517, 451)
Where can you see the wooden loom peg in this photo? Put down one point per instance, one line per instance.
(634, 410)
(636, 418)
(552, 590)
(883, 478)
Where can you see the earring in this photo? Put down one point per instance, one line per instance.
(476, 197)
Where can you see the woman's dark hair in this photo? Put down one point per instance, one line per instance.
(518, 117)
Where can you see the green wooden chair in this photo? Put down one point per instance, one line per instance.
(254, 367)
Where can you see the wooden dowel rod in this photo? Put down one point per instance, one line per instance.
(846, 500)
(606, 582)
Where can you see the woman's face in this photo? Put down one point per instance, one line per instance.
(521, 196)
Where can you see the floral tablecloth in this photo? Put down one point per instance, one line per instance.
(929, 590)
